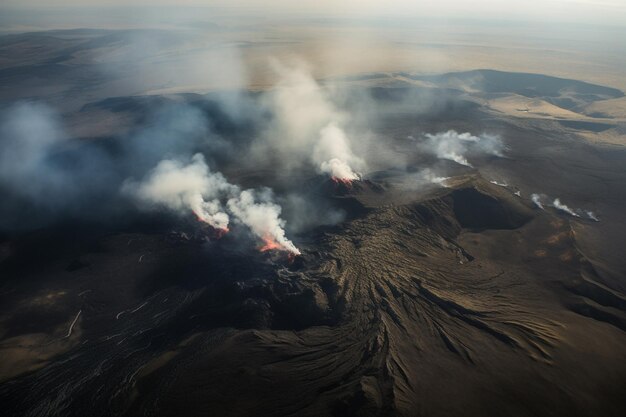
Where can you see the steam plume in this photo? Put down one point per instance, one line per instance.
(263, 218)
(560, 206)
(557, 204)
(536, 198)
(424, 178)
(308, 127)
(334, 155)
(192, 187)
(456, 146)
(181, 187)
(430, 176)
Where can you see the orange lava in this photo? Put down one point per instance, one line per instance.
(270, 244)
(219, 233)
(344, 181)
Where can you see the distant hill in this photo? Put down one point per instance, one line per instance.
(528, 85)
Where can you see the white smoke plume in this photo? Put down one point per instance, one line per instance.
(456, 146)
(332, 153)
(560, 206)
(500, 184)
(424, 178)
(338, 169)
(539, 201)
(209, 212)
(181, 187)
(431, 177)
(307, 127)
(536, 198)
(263, 218)
(34, 163)
(193, 187)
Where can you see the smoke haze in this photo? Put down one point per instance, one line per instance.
(458, 146)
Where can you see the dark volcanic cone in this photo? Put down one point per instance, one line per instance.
(331, 187)
(352, 187)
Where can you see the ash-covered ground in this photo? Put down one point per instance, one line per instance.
(455, 259)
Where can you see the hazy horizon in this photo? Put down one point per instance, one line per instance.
(603, 13)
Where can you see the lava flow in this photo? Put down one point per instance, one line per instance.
(344, 181)
(270, 244)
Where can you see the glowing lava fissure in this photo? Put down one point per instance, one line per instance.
(344, 181)
(271, 244)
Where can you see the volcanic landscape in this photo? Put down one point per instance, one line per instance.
(386, 243)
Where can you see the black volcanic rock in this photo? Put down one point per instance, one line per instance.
(478, 211)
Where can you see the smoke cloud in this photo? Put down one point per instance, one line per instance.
(422, 179)
(162, 164)
(256, 210)
(29, 133)
(429, 176)
(560, 206)
(540, 201)
(307, 128)
(333, 155)
(500, 184)
(42, 174)
(193, 188)
(182, 188)
(457, 147)
(536, 198)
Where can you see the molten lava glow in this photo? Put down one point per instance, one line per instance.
(219, 233)
(345, 181)
(270, 244)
